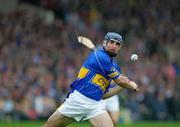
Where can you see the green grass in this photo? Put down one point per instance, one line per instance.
(39, 124)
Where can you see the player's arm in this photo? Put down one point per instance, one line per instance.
(124, 82)
(112, 91)
(114, 73)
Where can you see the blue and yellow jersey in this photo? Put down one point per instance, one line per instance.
(95, 75)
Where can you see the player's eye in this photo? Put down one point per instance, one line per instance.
(111, 42)
(118, 44)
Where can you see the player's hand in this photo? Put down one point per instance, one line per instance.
(135, 86)
(137, 89)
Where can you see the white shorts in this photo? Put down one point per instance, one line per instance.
(112, 104)
(80, 107)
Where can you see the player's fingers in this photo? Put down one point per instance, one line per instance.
(137, 89)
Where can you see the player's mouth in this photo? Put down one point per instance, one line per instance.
(112, 50)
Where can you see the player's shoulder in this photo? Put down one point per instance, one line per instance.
(117, 66)
(101, 54)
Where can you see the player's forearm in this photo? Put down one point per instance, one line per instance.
(112, 92)
(126, 83)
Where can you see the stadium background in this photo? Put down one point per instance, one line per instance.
(40, 56)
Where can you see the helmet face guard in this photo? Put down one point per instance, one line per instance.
(114, 37)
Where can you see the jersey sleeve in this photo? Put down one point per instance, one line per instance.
(108, 67)
(118, 68)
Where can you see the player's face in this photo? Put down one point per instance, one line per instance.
(113, 46)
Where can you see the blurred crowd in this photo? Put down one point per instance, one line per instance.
(39, 60)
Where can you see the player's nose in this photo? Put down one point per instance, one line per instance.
(114, 45)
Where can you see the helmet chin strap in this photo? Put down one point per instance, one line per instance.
(111, 54)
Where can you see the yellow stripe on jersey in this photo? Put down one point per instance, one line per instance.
(83, 72)
(114, 74)
(101, 81)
